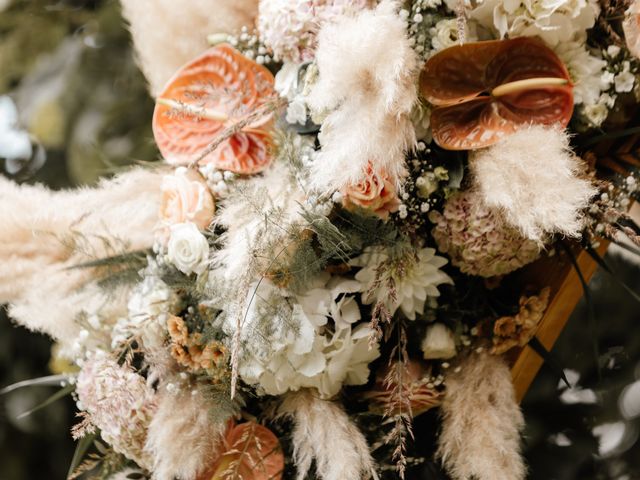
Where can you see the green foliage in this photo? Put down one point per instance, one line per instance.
(101, 464)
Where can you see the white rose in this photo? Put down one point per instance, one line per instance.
(188, 249)
(438, 343)
(444, 34)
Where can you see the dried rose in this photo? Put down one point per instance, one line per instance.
(484, 91)
(375, 192)
(206, 98)
(186, 198)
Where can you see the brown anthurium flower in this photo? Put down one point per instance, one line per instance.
(483, 91)
(216, 96)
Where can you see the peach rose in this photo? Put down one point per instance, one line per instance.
(186, 198)
(375, 192)
(631, 27)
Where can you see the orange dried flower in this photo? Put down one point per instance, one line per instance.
(204, 100)
(190, 351)
(517, 330)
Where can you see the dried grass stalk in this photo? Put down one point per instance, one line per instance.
(324, 433)
(481, 422)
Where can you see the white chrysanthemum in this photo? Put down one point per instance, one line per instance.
(297, 351)
(414, 280)
(553, 21)
(120, 404)
(289, 28)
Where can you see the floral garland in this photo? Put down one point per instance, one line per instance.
(345, 194)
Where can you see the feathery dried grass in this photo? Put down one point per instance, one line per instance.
(481, 422)
(183, 437)
(533, 178)
(323, 432)
(166, 37)
(45, 232)
(367, 72)
(257, 213)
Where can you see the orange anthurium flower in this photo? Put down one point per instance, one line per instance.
(205, 100)
(249, 451)
(483, 91)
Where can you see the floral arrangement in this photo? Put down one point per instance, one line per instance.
(326, 252)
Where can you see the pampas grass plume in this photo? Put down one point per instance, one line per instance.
(39, 227)
(166, 37)
(533, 178)
(183, 437)
(481, 422)
(366, 88)
(323, 432)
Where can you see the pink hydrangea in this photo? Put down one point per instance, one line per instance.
(477, 240)
(289, 28)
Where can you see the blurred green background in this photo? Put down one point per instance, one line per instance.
(69, 68)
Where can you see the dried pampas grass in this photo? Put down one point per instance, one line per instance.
(481, 422)
(324, 433)
(254, 215)
(45, 232)
(533, 178)
(183, 437)
(367, 72)
(166, 37)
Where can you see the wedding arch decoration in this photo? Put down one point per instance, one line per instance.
(365, 211)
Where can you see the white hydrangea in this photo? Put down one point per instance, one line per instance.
(590, 78)
(586, 70)
(555, 21)
(414, 283)
(625, 79)
(148, 308)
(298, 350)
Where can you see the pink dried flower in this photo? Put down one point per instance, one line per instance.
(120, 404)
(477, 240)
